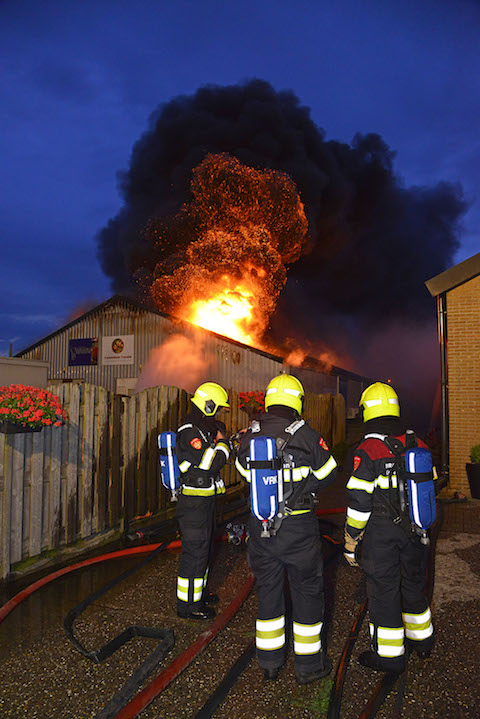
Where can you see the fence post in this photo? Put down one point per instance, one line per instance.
(5, 506)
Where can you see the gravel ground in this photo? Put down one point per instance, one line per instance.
(44, 677)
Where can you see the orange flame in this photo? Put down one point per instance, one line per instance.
(228, 312)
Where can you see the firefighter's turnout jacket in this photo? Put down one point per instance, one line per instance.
(294, 550)
(392, 557)
(200, 457)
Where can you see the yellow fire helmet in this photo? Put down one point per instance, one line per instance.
(285, 390)
(379, 400)
(209, 397)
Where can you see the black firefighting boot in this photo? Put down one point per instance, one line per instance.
(271, 674)
(372, 660)
(422, 649)
(308, 677)
(201, 613)
(210, 598)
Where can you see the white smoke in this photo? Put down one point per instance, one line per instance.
(178, 362)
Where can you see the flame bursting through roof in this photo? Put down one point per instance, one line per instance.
(232, 245)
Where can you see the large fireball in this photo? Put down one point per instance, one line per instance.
(221, 262)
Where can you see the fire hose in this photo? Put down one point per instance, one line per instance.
(236, 534)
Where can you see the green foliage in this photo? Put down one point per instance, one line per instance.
(475, 454)
(316, 703)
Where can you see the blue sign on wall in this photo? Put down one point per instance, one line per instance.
(83, 352)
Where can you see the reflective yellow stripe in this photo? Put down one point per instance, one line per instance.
(222, 447)
(382, 481)
(244, 472)
(363, 484)
(306, 638)
(418, 626)
(324, 471)
(389, 640)
(183, 466)
(357, 519)
(198, 491)
(270, 633)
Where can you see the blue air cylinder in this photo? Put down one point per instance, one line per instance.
(264, 478)
(420, 487)
(168, 462)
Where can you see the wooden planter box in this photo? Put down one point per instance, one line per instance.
(473, 474)
(12, 428)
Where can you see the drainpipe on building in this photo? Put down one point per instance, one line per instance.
(442, 335)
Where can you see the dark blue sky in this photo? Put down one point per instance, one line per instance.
(80, 79)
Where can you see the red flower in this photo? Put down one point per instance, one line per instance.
(30, 406)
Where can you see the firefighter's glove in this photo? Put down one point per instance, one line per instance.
(351, 547)
(220, 487)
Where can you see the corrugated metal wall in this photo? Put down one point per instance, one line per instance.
(231, 364)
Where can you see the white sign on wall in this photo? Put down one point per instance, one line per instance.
(118, 349)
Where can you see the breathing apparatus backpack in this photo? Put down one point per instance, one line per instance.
(413, 467)
(169, 463)
(270, 466)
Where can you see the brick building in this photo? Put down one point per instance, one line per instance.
(458, 302)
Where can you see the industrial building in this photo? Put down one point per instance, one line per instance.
(110, 344)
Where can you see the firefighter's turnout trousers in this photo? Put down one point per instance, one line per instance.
(196, 517)
(395, 568)
(296, 552)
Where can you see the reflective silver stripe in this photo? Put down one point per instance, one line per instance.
(182, 589)
(418, 618)
(419, 634)
(363, 484)
(300, 472)
(171, 468)
(375, 435)
(359, 516)
(222, 448)
(207, 458)
(324, 471)
(184, 426)
(269, 625)
(389, 650)
(183, 466)
(388, 633)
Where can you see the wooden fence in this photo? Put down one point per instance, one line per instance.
(101, 470)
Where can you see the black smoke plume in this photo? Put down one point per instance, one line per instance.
(372, 241)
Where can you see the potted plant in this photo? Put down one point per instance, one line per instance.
(253, 403)
(473, 471)
(28, 409)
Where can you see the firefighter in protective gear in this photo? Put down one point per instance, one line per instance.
(295, 549)
(394, 560)
(202, 450)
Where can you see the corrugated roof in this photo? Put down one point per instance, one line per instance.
(455, 276)
(309, 362)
